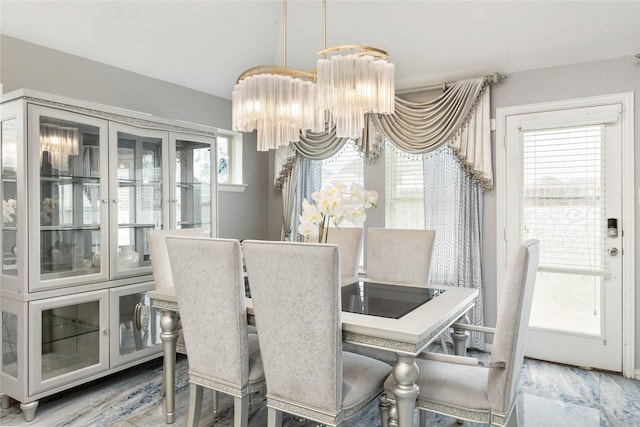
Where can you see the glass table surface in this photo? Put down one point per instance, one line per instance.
(385, 300)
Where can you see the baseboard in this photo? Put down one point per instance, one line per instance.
(637, 374)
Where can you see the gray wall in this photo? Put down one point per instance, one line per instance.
(575, 81)
(256, 213)
(27, 66)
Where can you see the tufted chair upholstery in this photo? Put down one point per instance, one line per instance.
(468, 389)
(296, 298)
(209, 282)
(349, 240)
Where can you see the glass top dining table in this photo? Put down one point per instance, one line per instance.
(402, 318)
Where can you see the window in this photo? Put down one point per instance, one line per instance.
(230, 162)
(346, 166)
(405, 189)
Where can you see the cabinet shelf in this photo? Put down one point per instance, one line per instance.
(191, 184)
(136, 225)
(61, 328)
(138, 182)
(70, 227)
(70, 179)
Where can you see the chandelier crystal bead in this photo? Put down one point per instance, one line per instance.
(352, 85)
(277, 106)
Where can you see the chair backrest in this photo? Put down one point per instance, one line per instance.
(402, 256)
(209, 284)
(349, 241)
(158, 250)
(512, 324)
(295, 292)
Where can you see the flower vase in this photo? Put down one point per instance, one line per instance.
(127, 258)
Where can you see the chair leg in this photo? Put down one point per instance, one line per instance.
(195, 404)
(215, 403)
(393, 415)
(241, 411)
(274, 418)
(423, 418)
(383, 406)
(444, 344)
(513, 421)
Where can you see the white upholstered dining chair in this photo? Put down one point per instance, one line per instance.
(484, 392)
(296, 296)
(160, 267)
(223, 356)
(399, 255)
(349, 240)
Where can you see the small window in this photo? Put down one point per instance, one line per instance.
(229, 162)
(405, 189)
(346, 166)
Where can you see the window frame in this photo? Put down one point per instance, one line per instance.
(235, 182)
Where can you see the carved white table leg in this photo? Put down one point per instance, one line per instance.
(29, 410)
(169, 337)
(405, 372)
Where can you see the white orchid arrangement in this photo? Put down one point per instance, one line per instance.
(8, 210)
(332, 207)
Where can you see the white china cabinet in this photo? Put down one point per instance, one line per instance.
(81, 185)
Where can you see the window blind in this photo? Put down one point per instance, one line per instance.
(562, 201)
(346, 166)
(405, 189)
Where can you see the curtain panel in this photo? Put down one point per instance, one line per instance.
(459, 117)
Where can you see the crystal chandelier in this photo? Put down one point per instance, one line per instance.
(353, 80)
(278, 102)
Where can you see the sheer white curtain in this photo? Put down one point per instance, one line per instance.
(453, 207)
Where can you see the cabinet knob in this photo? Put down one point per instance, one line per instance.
(105, 332)
(104, 201)
(115, 200)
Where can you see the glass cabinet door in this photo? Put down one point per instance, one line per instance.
(137, 194)
(135, 326)
(69, 202)
(194, 190)
(70, 339)
(9, 192)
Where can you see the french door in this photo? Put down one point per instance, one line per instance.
(564, 175)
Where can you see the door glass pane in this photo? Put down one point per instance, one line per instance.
(563, 206)
(9, 191)
(70, 338)
(10, 344)
(193, 185)
(139, 174)
(139, 323)
(69, 198)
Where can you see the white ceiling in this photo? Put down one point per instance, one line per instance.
(206, 44)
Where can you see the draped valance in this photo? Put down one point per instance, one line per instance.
(458, 117)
